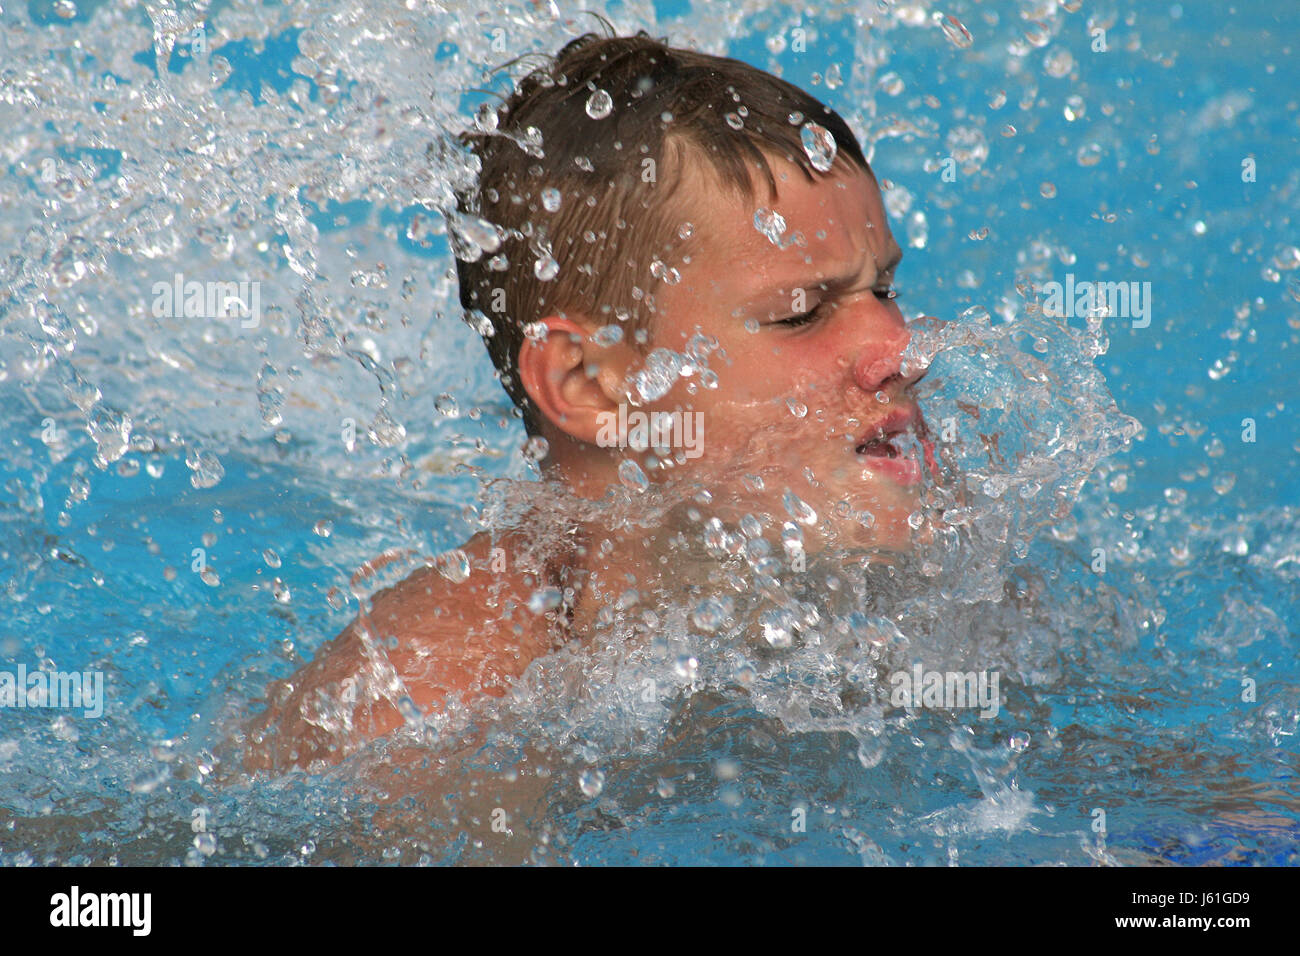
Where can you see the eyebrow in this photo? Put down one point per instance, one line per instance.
(837, 283)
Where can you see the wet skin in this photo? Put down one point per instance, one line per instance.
(830, 337)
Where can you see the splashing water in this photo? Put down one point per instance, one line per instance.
(234, 371)
(819, 145)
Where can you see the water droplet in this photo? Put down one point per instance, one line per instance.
(1047, 190)
(819, 145)
(715, 536)
(771, 224)
(968, 146)
(686, 666)
(1089, 154)
(551, 199)
(1019, 741)
(918, 229)
(955, 31)
(712, 613)
(662, 369)
(1287, 258)
(112, 433)
(473, 237)
(480, 323)
(447, 406)
(1038, 34)
(798, 509)
(685, 230)
(1059, 62)
(206, 469)
(665, 273)
(281, 591)
(776, 629)
(546, 268)
(599, 105)
(535, 449)
(791, 537)
(870, 752)
(324, 528)
(891, 84)
(631, 475)
(591, 782)
(545, 599)
(734, 121)
(486, 118)
(271, 558)
(797, 409)
(453, 565)
(608, 335)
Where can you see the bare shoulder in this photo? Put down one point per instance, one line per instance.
(427, 638)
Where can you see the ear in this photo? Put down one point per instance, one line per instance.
(572, 381)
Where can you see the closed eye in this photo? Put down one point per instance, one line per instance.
(885, 294)
(804, 318)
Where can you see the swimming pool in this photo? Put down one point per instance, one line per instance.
(186, 498)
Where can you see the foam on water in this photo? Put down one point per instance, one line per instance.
(311, 149)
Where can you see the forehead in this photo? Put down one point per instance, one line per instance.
(834, 224)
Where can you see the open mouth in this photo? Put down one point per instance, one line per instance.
(898, 447)
(884, 440)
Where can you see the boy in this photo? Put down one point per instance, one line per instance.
(664, 234)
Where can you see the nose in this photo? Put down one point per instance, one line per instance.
(880, 362)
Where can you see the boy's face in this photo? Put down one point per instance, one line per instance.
(810, 395)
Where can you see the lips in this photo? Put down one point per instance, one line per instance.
(880, 440)
(896, 447)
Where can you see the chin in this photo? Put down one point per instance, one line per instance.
(889, 532)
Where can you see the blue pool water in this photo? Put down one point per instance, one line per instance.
(1150, 710)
